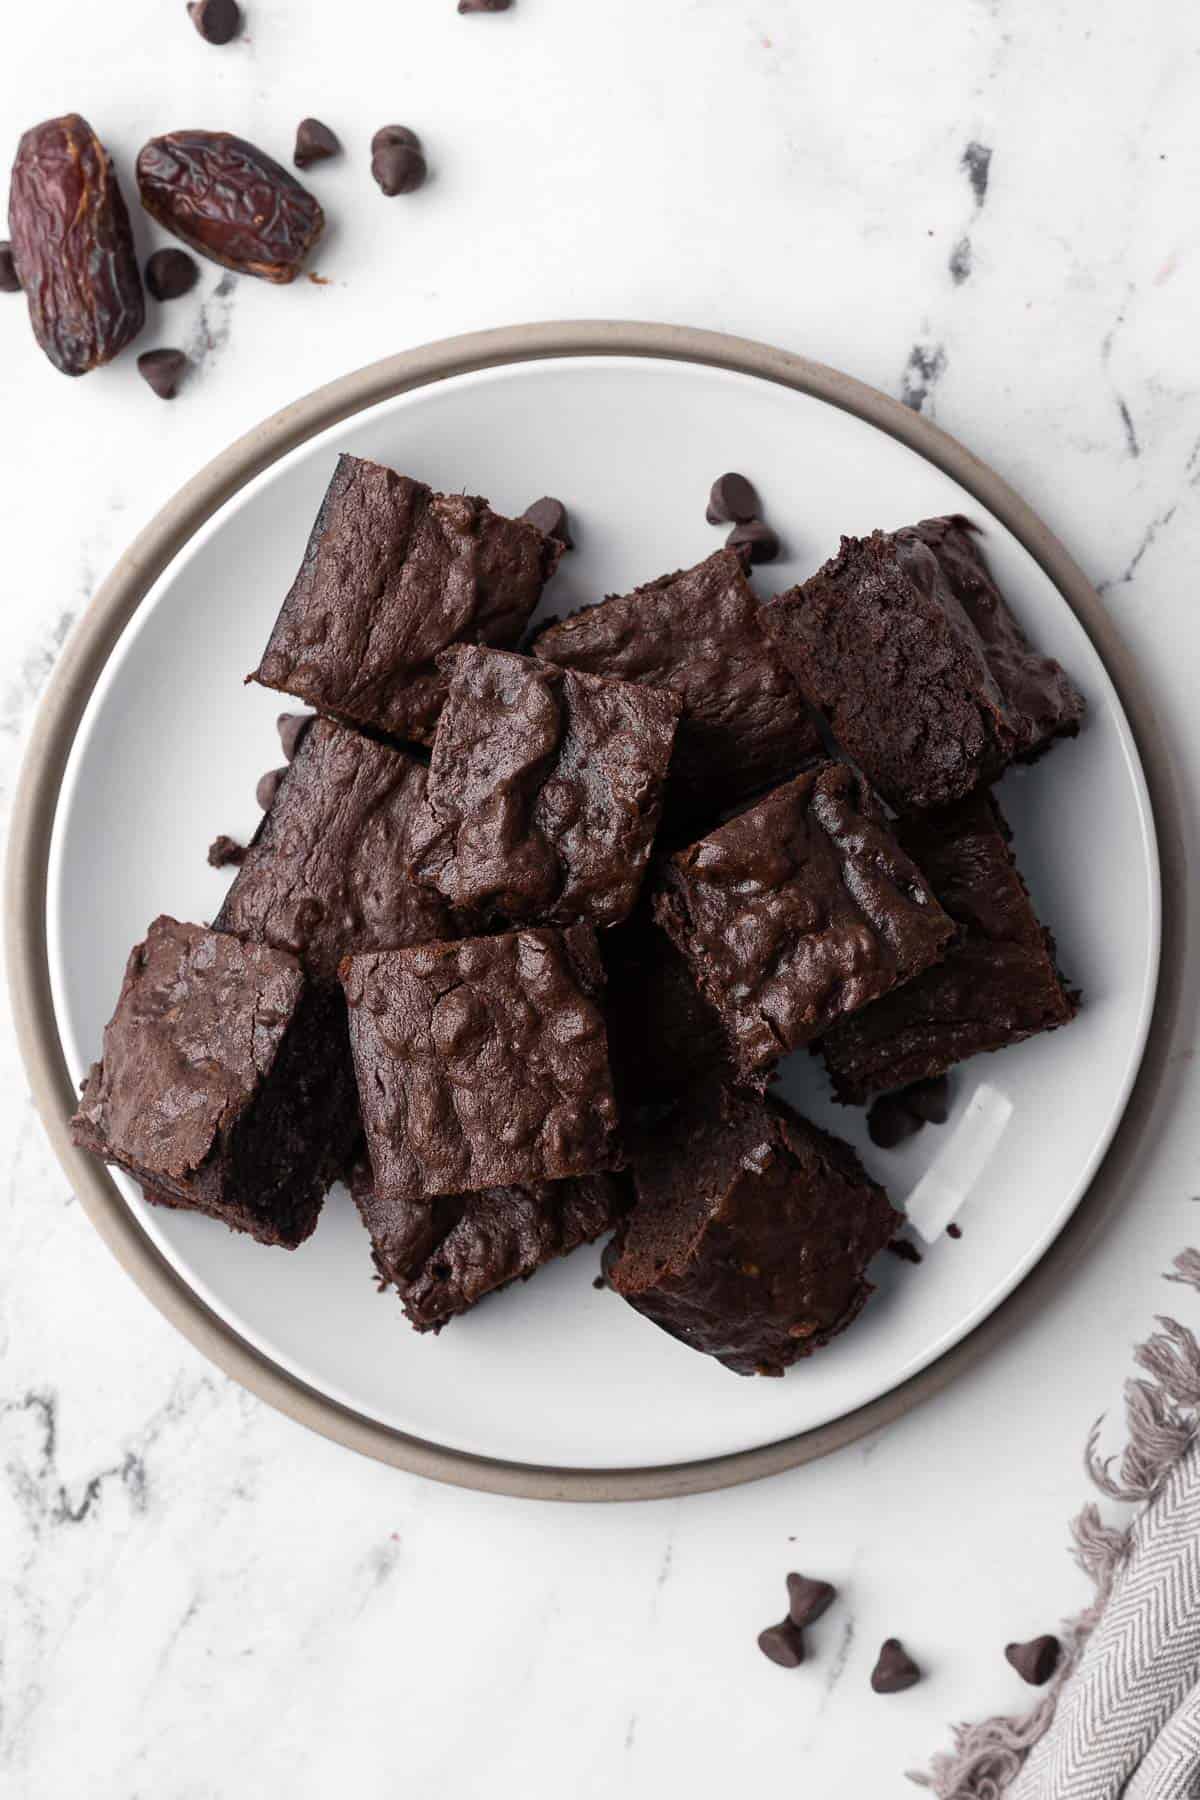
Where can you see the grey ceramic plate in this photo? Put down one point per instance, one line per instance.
(219, 1290)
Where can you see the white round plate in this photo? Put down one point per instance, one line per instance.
(556, 1372)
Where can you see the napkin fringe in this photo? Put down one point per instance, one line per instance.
(1162, 1415)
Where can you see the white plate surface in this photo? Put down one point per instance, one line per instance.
(557, 1372)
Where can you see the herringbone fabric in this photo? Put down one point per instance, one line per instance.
(1123, 1729)
(1121, 1719)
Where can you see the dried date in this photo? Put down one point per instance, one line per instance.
(230, 201)
(73, 247)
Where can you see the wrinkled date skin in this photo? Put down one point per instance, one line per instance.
(230, 201)
(73, 247)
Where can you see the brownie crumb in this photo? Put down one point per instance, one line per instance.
(905, 1249)
(225, 852)
(599, 1282)
(953, 1230)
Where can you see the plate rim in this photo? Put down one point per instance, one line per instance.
(44, 764)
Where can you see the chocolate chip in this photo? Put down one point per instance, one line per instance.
(1036, 1661)
(268, 787)
(783, 1644)
(755, 541)
(314, 143)
(905, 1249)
(470, 6)
(808, 1599)
(953, 1230)
(732, 501)
(929, 1100)
(890, 1122)
(895, 1669)
(162, 370)
(10, 281)
(171, 273)
(550, 517)
(292, 728)
(397, 160)
(217, 21)
(599, 1282)
(224, 851)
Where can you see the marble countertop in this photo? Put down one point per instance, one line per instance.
(988, 208)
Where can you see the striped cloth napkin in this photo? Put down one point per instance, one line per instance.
(1121, 1720)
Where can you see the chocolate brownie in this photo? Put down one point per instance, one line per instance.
(445, 1255)
(663, 1035)
(750, 1234)
(394, 573)
(326, 874)
(797, 911)
(996, 986)
(482, 1063)
(700, 633)
(222, 1087)
(906, 643)
(545, 790)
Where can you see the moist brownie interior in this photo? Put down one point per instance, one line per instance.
(445, 1255)
(751, 1231)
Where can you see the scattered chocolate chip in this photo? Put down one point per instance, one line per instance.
(291, 728)
(905, 1249)
(550, 517)
(10, 281)
(889, 1122)
(397, 160)
(895, 1669)
(217, 21)
(314, 143)
(808, 1599)
(171, 273)
(929, 1101)
(1036, 1661)
(599, 1282)
(268, 787)
(162, 371)
(732, 501)
(471, 6)
(953, 1230)
(225, 851)
(783, 1644)
(755, 540)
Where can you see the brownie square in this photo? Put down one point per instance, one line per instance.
(482, 1063)
(394, 573)
(545, 790)
(701, 634)
(997, 985)
(445, 1255)
(797, 911)
(326, 875)
(222, 1086)
(751, 1232)
(930, 685)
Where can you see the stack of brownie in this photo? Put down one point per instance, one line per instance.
(523, 937)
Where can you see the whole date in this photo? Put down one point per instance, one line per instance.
(230, 201)
(73, 247)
